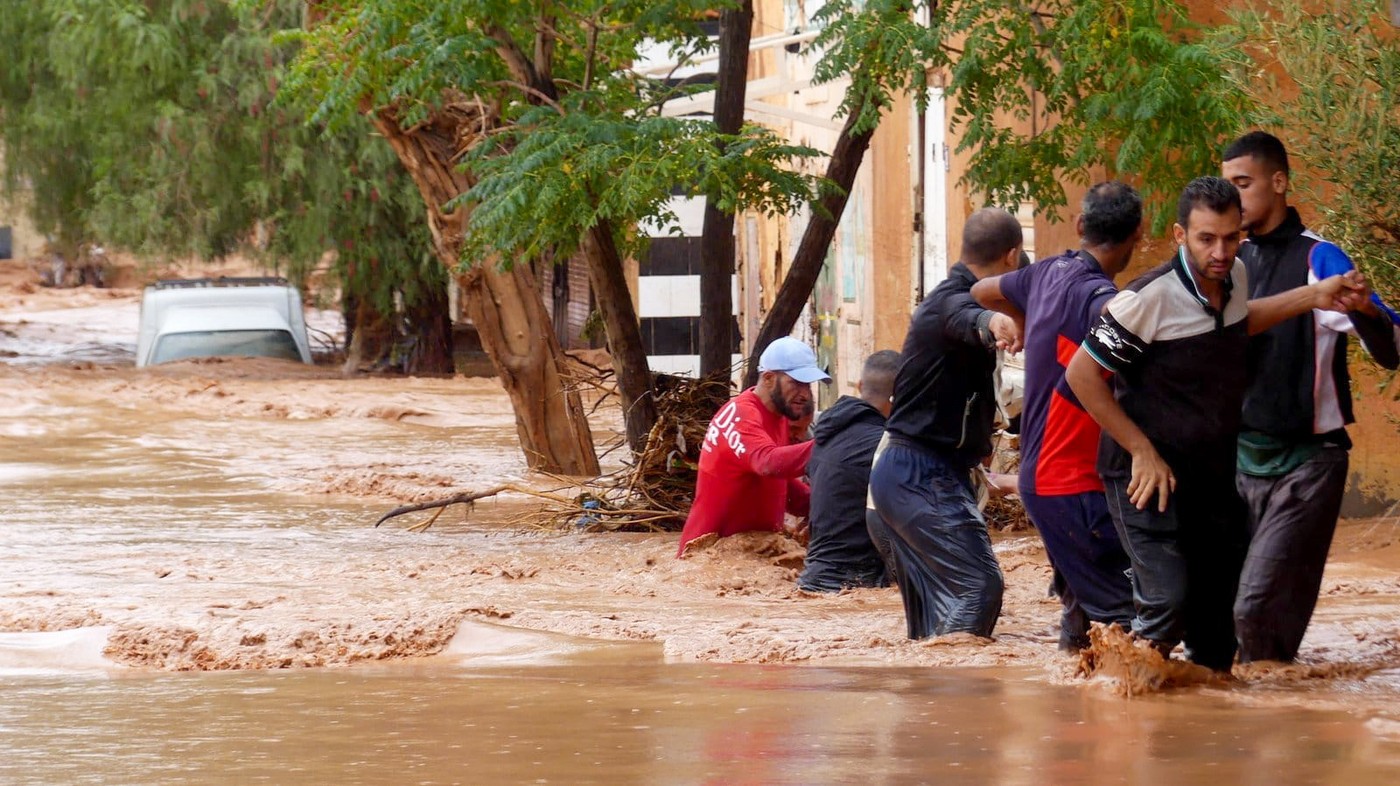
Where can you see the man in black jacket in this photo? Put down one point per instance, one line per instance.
(1292, 453)
(840, 553)
(940, 428)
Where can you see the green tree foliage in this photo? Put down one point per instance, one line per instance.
(1124, 85)
(157, 126)
(557, 142)
(46, 151)
(1131, 86)
(1337, 65)
(576, 136)
(566, 171)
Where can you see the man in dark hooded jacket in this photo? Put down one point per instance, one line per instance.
(840, 553)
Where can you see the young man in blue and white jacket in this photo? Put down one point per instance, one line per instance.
(1292, 458)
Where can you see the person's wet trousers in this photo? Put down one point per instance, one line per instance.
(1186, 564)
(948, 577)
(1291, 522)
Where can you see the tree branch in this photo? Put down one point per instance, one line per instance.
(533, 92)
(1038, 23)
(544, 43)
(519, 64)
(590, 55)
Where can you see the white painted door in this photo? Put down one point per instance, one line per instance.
(935, 185)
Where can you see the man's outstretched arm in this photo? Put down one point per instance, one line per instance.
(989, 294)
(1334, 293)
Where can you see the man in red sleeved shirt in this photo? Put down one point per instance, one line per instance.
(750, 472)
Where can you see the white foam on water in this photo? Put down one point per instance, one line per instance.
(54, 652)
(484, 644)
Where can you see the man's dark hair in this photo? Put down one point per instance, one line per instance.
(1261, 145)
(877, 375)
(1213, 193)
(1112, 213)
(988, 234)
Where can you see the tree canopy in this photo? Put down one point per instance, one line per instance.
(1130, 86)
(160, 127)
(575, 136)
(1338, 65)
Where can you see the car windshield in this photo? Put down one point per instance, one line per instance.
(237, 343)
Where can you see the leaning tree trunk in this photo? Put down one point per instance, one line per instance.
(717, 234)
(605, 271)
(629, 355)
(505, 306)
(816, 239)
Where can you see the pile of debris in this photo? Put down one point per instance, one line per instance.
(1004, 512)
(651, 494)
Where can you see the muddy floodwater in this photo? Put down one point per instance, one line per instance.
(192, 591)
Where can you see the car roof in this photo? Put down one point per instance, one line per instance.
(207, 318)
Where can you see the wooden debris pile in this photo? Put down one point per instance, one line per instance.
(1005, 513)
(663, 475)
(651, 494)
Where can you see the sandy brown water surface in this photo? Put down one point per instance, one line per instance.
(191, 591)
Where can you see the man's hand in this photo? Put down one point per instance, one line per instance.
(1007, 333)
(1359, 296)
(799, 530)
(1151, 475)
(800, 430)
(1345, 292)
(1001, 485)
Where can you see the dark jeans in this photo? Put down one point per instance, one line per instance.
(1291, 521)
(943, 563)
(1186, 565)
(1094, 573)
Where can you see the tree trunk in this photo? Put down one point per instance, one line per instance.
(372, 336)
(811, 251)
(717, 237)
(629, 356)
(605, 272)
(349, 306)
(505, 306)
(432, 327)
(515, 331)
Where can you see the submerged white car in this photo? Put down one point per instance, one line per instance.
(221, 317)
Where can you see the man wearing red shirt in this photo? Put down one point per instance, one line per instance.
(750, 472)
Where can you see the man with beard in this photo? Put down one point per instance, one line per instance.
(1292, 458)
(1175, 340)
(940, 428)
(750, 470)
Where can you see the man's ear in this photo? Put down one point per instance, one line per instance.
(1013, 258)
(1279, 182)
(1179, 234)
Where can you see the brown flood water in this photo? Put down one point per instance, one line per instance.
(191, 592)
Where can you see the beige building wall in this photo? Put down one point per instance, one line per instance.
(25, 240)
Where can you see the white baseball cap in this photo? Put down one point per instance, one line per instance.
(794, 358)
